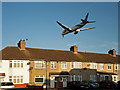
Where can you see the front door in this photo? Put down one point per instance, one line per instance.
(106, 77)
(64, 79)
(52, 82)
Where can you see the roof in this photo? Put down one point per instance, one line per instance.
(14, 53)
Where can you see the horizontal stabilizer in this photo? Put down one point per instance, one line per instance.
(91, 21)
(85, 29)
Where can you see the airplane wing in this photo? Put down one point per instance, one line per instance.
(63, 26)
(84, 29)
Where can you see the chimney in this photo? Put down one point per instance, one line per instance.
(112, 52)
(21, 44)
(74, 49)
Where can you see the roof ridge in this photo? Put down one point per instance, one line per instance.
(48, 49)
(94, 53)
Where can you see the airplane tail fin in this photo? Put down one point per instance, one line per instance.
(86, 17)
(91, 21)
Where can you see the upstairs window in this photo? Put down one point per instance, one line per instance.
(116, 66)
(64, 65)
(101, 66)
(93, 65)
(109, 66)
(76, 65)
(53, 65)
(39, 64)
(15, 64)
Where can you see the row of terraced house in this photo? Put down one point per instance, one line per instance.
(22, 66)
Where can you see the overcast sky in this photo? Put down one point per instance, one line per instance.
(37, 22)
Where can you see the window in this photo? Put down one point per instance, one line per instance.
(71, 78)
(0, 63)
(64, 65)
(114, 78)
(76, 77)
(101, 66)
(16, 64)
(76, 65)
(10, 64)
(53, 65)
(10, 78)
(16, 79)
(39, 78)
(79, 78)
(116, 66)
(109, 66)
(39, 64)
(93, 66)
(102, 77)
(92, 77)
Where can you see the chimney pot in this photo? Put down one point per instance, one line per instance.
(112, 52)
(21, 44)
(74, 49)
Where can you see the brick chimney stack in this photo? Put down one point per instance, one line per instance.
(74, 49)
(21, 44)
(112, 52)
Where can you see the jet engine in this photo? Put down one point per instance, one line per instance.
(76, 32)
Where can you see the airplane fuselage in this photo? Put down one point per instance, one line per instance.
(78, 26)
(74, 28)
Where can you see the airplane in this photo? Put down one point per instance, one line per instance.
(76, 29)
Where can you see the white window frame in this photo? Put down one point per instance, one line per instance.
(93, 65)
(101, 66)
(20, 78)
(40, 76)
(93, 77)
(75, 77)
(40, 62)
(109, 65)
(116, 66)
(71, 78)
(115, 77)
(64, 65)
(16, 62)
(53, 64)
(79, 77)
(76, 65)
